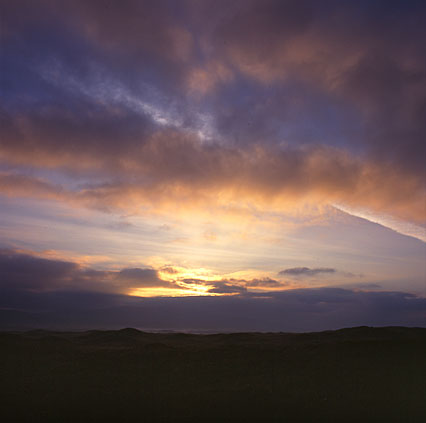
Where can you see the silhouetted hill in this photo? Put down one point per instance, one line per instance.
(359, 374)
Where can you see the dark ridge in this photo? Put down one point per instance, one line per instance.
(130, 331)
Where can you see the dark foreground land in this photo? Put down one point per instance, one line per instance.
(351, 375)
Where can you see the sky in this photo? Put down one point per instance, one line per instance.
(245, 165)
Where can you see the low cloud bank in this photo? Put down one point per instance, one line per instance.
(38, 293)
(306, 271)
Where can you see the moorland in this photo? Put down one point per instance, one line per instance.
(361, 374)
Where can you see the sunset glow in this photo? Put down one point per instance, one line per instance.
(242, 152)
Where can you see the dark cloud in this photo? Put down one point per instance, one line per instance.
(290, 310)
(169, 269)
(227, 288)
(21, 272)
(141, 278)
(174, 169)
(293, 100)
(306, 271)
(139, 27)
(94, 135)
(356, 52)
(235, 286)
(193, 281)
(37, 292)
(123, 37)
(265, 282)
(104, 92)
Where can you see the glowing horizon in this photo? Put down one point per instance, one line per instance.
(244, 150)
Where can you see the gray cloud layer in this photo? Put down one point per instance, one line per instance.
(21, 272)
(306, 271)
(161, 105)
(293, 310)
(37, 292)
(120, 94)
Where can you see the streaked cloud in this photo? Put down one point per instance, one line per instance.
(215, 149)
(292, 310)
(306, 271)
(170, 169)
(23, 271)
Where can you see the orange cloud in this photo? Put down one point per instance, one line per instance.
(176, 172)
(203, 80)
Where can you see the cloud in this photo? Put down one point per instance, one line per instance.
(290, 310)
(141, 278)
(226, 288)
(144, 29)
(306, 271)
(39, 292)
(168, 269)
(172, 169)
(236, 286)
(362, 63)
(265, 283)
(244, 107)
(296, 100)
(23, 272)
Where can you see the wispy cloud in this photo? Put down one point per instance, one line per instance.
(220, 127)
(306, 271)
